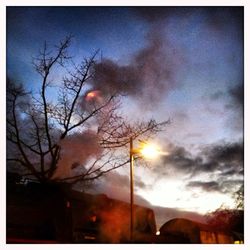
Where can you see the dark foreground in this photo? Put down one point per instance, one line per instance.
(49, 214)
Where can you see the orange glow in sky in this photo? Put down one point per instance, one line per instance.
(92, 95)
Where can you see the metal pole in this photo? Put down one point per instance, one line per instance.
(131, 190)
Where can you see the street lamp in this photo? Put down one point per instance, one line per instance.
(148, 151)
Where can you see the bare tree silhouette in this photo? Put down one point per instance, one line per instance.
(68, 132)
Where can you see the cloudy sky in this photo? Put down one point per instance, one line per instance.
(182, 64)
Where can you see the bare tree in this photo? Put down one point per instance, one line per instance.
(67, 132)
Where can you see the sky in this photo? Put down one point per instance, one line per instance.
(180, 63)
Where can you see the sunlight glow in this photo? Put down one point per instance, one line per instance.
(173, 194)
(149, 151)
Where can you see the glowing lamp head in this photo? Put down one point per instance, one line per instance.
(149, 151)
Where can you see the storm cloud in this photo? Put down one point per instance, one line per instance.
(224, 157)
(210, 186)
(149, 75)
(220, 185)
(237, 95)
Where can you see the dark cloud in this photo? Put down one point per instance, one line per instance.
(230, 153)
(215, 18)
(221, 185)
(235, 105)
(181, 159)
(223, 163)
(217, 95)
(223, 157)
(227, 158)
(233, 99)
(149, 76)
(237, 96)
(112, 78)
(210, 186)
(151, 14)
(155, 14)
(151, 72)
(221, 18)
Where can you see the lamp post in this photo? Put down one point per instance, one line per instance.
(131, 156)
(148, 151)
